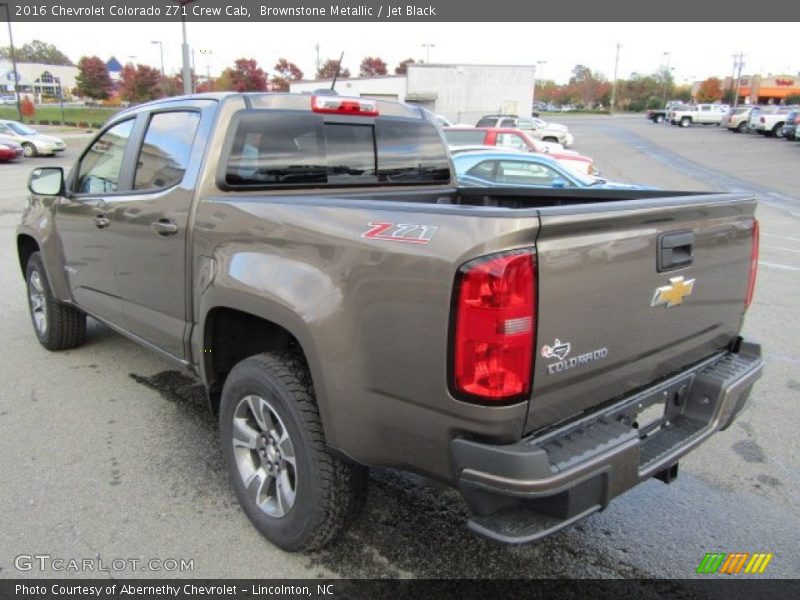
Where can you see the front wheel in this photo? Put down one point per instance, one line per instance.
(57, 326)
(685, 122)
(742, 128)
(293, 490)
(777, 131)
(29, 150)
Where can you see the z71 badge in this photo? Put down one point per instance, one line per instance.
(409, 233)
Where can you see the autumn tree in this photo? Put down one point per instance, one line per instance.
(328, 70)
(710, 90)
(285, 72)
(372, 66)
(37, 51)
(139, 83)
(27, 107)
(93, 80)
(246, 76)
(402, 68)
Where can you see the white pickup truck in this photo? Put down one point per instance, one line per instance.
(769, 122)
(702, 114)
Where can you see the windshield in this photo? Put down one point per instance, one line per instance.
(20, 129)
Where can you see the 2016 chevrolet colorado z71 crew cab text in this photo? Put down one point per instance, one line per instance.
(312, 261)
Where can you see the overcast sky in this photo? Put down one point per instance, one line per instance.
(697, 50)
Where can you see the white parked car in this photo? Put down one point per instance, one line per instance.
(700, 114)
(769, 121)
(32, 142)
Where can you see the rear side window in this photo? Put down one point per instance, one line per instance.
(280, 149)
(166, 150)
(487, 122)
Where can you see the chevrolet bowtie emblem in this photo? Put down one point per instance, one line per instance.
(674, 293)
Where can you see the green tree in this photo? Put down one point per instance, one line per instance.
(37, 51)
(93, 80)
(792, 99)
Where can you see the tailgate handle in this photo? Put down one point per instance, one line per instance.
(675, 250)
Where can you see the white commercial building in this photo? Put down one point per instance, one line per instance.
(461, 93)
(38, 79)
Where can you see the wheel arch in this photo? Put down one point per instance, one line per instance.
(26, 246)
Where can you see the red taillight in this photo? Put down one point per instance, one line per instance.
(797, 120)
(344, 106)
(495, 321)
(762, 120)
(751, 282)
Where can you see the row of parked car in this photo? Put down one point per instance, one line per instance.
(18, 140)
(513, 151)
(770, 121)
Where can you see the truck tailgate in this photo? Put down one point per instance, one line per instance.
(612, 318)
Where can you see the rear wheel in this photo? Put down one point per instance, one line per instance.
(57, 326)
(29, 150)
(293, 490)
(742, 128)
(777, 131)
(659, 118)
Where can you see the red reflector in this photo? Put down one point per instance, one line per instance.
(495, 323)
(344, 106)
(751, 282)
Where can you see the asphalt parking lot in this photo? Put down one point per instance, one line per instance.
(105, 452)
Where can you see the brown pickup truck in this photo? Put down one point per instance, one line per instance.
(312, 260)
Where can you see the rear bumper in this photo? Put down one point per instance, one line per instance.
(525, 491)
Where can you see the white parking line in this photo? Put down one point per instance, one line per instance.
(778, 266)
(783, 237)
(781, 248)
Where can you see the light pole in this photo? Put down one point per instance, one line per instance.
(428, 52)
(207, 53)
(614, 86)
(535, 69)
(187, 69)
(13, 60)
(161, 47)
(666, 78)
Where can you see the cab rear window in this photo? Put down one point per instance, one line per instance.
(273, 149)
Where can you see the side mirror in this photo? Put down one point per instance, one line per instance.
(47, 181)
(558, 182)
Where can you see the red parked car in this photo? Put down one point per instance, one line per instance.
(9, 149)
(507, 137)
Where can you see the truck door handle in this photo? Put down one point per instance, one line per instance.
(164, 227)
(101, 221)
(675, 250)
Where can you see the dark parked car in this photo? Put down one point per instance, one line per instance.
(790, 125)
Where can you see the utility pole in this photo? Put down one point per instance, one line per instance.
(666, 77)
(740, 65)
(614, 85)
(13, 62)
(317, 49)
(535, 69)
(428, 52)
(161, 47)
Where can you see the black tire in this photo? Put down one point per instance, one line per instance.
(659, 119)
(742, 127)
(326, 492)
(29, 150)
(685, 122)
(57, 326)
(777, 131)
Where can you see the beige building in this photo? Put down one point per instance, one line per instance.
(38, 80)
